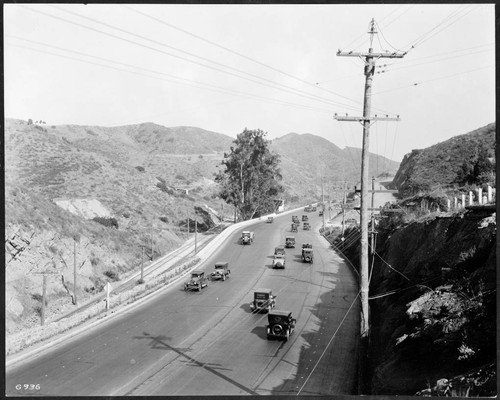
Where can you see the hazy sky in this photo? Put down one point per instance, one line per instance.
(272, 67)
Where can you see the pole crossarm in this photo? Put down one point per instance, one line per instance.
(374, 55)
(365, 119)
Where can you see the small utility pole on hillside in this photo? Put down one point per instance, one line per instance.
(44, 289)
(323, 202)
(369, 60)
(74, 270)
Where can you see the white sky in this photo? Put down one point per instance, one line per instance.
(286, 78)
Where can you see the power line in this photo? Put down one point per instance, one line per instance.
(186, 81)
(288, 88)
(239, 54)
(432, 80)
(413, 63)
(422, 38)
(329, 342)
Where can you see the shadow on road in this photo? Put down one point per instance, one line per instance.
(323, 367)
(159, 343)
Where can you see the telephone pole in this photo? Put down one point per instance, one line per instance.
(366, 120)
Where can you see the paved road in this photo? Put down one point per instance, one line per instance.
(209, 343)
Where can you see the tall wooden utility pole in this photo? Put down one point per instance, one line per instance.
(74, 271)
(366, 121)
(323, 202)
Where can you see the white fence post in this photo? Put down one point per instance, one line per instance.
(455, 205)
(471, 199)
(448, 203)
(480, 195)
(463, 200)
(490, 194)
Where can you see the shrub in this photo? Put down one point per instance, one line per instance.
(164, 188)
(180, 177)
(113, 275)
(140, 169)
(164, 219)
(107, 221)
(126, 215)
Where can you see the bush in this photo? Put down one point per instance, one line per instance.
(140, 169)
(113, 275)
(164, 219)
(107, 221)
(163, 187)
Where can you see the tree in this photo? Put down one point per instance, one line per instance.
(251, 175)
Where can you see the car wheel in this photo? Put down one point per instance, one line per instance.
(199, 287)
(287, 335)
(277, 330)
(223, 277)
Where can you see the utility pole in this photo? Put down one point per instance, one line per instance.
(44, 290)
(152, 251)
(142, 264)
(195, 235)
(369, 60)
(323, 202)
(74, 270)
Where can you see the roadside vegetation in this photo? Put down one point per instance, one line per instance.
(250, 178)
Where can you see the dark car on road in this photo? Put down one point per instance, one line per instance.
(281, 324)
(263, 300)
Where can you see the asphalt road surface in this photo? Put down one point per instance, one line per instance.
(208, 342)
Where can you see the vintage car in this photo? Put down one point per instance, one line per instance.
(279, 261)
(294, 228)
(279, 250)
(197, 282)
(305, 218)
(263, 300)
(281, 324)
(313, 209)
(270, 220)
(247, 237)
(289, 241)
(307, 227)
(307, 253)
(222, 271)
(307, 208)
(295, 219)
(320, 213)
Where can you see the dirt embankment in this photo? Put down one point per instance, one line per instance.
(433, 306)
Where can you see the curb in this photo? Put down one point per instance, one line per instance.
(203, 254)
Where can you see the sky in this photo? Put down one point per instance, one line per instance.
(227, 67)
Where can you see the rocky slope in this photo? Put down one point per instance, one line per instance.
(433, 304)
(439, 166)
(100, 195)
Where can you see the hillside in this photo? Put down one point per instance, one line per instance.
(306, 158)
(109, 192)
(443, 164)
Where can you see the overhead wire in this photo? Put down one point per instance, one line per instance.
(427, 35)
(273, 84)
(175, 79)
(435, 79)
(397, 17)
(240, 54)
(329, 342)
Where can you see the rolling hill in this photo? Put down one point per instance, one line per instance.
(141, 182)
(439, 166)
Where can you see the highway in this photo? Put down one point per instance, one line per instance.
(208, 342)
